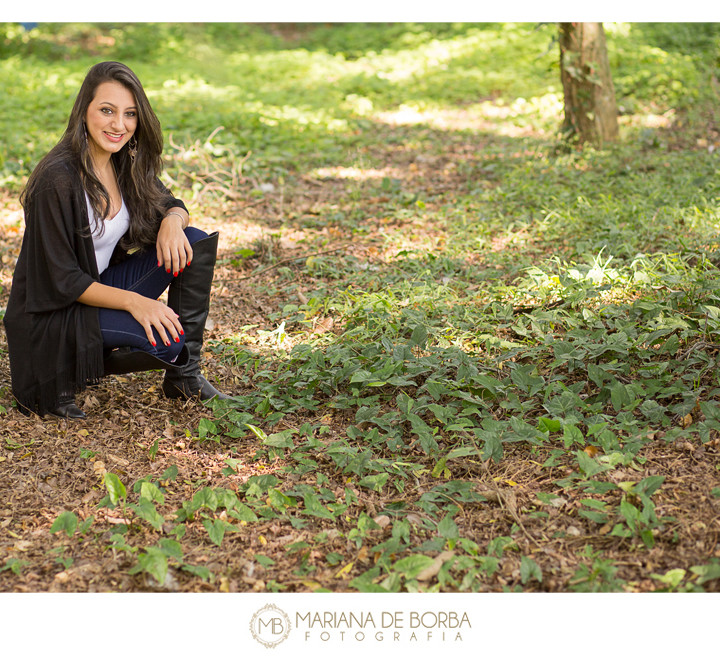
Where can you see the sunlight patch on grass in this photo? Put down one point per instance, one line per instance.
(354, 173)
(522, 118)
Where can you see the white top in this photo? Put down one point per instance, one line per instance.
(105, 243)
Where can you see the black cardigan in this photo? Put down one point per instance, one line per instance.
(54, 341)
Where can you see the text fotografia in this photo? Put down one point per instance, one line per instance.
(383, 627)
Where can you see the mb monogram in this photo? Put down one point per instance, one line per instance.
(270, 626)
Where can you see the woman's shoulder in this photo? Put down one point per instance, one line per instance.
(57, 174)
(61, 170)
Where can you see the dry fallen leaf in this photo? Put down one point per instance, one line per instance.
(506, 498)
(118, 460)
(591, 451)
(686, 421)
(343, 573)
(430, 572)
(88, 497)
(382, 520)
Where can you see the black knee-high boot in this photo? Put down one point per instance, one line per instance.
(189, 297)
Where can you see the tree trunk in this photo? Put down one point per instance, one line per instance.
(590, 107)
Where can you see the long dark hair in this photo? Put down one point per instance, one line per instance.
(136, 176)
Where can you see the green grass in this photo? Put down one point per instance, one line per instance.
(306, 99)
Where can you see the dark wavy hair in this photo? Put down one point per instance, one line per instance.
(137, 178)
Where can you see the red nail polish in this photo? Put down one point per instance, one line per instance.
(168, 271)
(175, 273)
(154, 344)
(177, 340)
(159, 264)
(189, 263)
(182, 333)
(168, 343)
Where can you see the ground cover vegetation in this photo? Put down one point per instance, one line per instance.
(465, 356)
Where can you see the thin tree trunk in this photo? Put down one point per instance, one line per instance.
(590, 107)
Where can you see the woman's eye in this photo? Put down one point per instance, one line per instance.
(106, 110)
(132, 115)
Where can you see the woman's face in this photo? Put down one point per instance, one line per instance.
(111, 119)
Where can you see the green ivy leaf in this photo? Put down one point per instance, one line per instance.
(314, 507)
(707, 572)
(529, 569)
(257, 432)
(171, 548)
(280, 440)
(413, 565)
(215, 530)
(116, 489)
(150, 491)
(201, 572)
(243, 513)
(67, 522)
(170, 473)
(549, 425)
(375, 482)
(206, 428)
(205, 498)
(154, 562)
(447, 528)
(146, 511)
(279, 500)
(264, 561)
(419, 336)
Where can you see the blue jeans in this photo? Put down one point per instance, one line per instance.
(139, 273)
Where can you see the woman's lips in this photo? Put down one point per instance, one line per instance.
(114, 137)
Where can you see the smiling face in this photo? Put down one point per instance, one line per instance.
(111, 120)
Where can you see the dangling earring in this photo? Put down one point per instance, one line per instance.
(132, 148)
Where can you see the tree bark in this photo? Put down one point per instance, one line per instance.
(590, 106)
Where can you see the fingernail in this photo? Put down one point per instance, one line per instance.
(182, 333)
(168, 271)
(154, 344)
(175, 273)
(168, 343)
(177, 340)
(159, 264)
(189, 264)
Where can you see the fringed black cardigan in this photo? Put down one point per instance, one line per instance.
(54, 341)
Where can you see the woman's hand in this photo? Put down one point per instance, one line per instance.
(151, 313)
(173, 248)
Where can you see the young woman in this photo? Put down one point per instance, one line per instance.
(103, 240)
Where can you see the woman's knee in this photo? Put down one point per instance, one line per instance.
(194, 234)
(167, 353)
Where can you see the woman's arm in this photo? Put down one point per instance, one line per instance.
(148, 312)
(173, 249)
